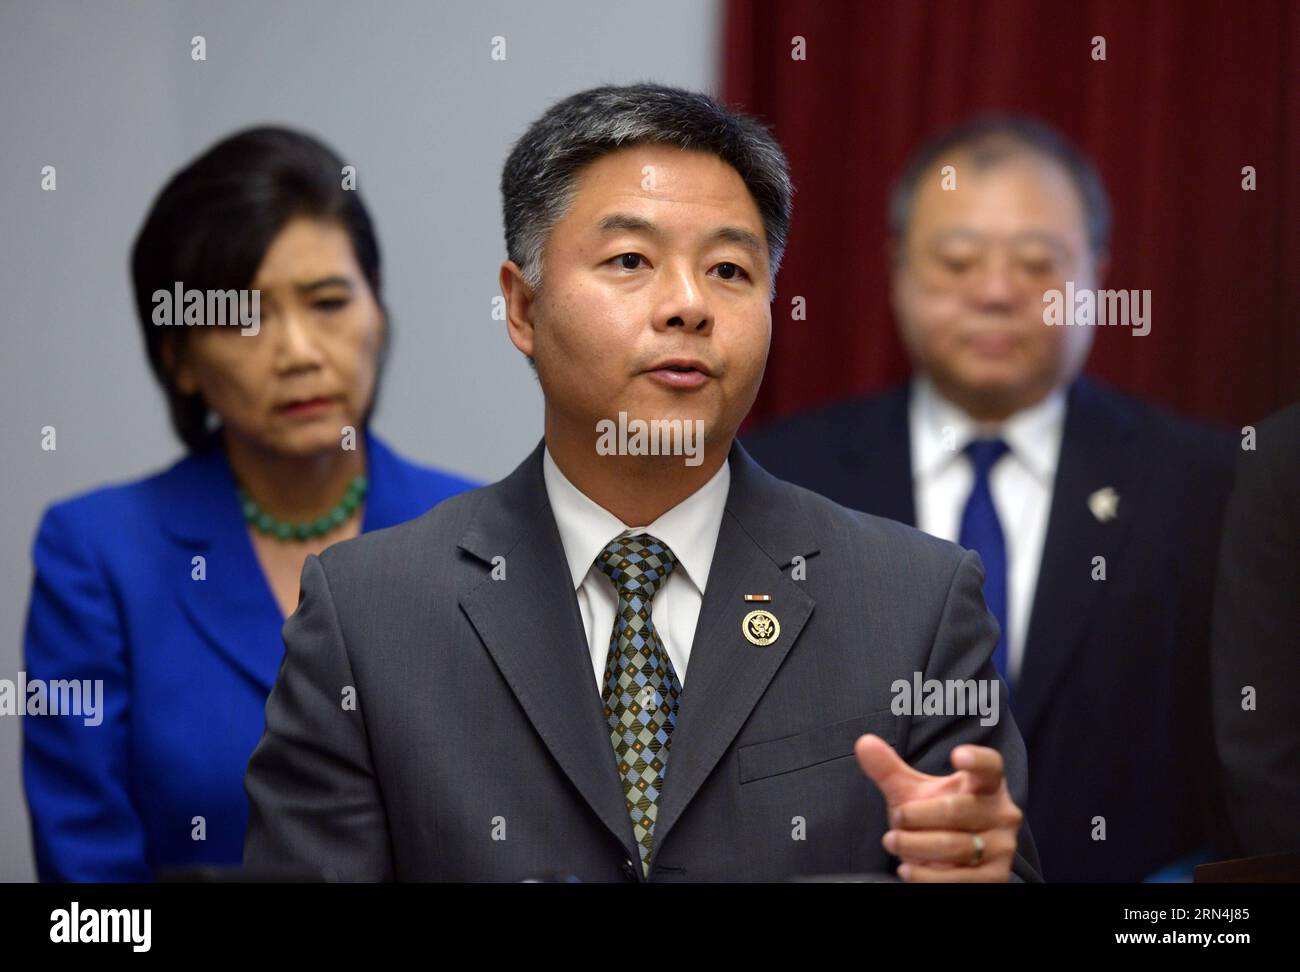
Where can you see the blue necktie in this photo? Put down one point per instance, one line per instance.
(981, 532)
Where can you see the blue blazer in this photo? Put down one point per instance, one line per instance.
(186, 665)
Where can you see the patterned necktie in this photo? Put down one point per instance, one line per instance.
(981, 532)
(641, 688)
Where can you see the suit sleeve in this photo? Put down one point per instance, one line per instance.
(1255, 643)
(315, 810)
(77, 768)
(963, 649)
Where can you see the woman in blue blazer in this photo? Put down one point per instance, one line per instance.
(170, 591)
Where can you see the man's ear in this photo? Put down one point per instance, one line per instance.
(521, 305)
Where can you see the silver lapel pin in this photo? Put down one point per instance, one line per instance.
(1104, 504)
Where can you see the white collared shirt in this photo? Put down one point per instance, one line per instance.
(690, 529)
(1021, 484)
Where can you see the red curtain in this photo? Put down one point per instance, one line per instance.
(1189, 93)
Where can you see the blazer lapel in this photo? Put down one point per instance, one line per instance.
(530, 624)
(758, 539)
(200, 511)
(1097, 455)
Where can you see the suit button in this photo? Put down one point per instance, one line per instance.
(629, 870)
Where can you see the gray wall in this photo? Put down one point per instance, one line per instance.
(406, 91)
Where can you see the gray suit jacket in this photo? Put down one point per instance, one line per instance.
(477, 748)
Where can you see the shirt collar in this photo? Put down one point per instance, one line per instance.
(690, 529)
(940, 431)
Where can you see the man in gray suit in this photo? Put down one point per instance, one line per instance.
(498, 690)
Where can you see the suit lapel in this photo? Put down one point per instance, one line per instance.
(1097, 452)
(530, 624)
(759, 537)
(879, 451)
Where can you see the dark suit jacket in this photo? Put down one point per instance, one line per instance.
(478, 749)
(186, 664)
(1113, 694)
(1257, 642)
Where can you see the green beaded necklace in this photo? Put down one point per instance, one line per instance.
(343, 511)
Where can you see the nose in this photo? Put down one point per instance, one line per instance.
(296, 348)
(683, 304)
(997, 286)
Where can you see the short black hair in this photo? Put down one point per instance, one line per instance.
(993, 138)
(539, 175)
(212, 223)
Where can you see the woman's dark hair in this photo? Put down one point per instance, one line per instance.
(212, 224)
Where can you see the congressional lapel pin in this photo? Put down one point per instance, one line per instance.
(761, 627)
(1104, 504)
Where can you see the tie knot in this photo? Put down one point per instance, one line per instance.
(984, 453)
(637, 565)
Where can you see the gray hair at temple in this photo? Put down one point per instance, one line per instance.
(990, 140)
(537, 183)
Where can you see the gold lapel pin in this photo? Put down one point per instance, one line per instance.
(761, 627)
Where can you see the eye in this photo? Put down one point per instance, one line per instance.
(331, 305)
(630, 261)
(731, 271)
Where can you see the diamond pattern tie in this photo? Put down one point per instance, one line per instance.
(640, 689)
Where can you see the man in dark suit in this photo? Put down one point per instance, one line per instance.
(1256, 653)
(500, 689)
(1095, 515)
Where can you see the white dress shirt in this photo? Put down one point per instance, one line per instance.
(690, 529)
(1021, 484)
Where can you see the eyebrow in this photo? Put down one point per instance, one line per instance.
(322, 283)
(962, 232)
(627, 223)
(1051, 240)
